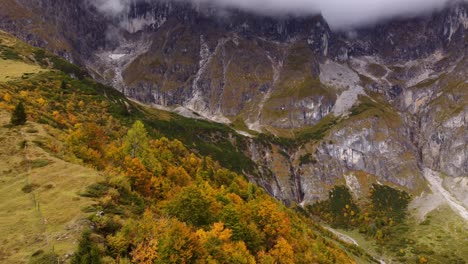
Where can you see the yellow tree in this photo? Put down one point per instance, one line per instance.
(136, 140)
(283, 252)
(273, 222)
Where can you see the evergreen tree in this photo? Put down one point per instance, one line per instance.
(87, 252)
(19, 115)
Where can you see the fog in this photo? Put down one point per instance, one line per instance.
(338, 13)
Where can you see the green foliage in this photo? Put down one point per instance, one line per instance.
(191, 206)
(7, 53)
(87, 252)
(136, 140)
(18, 116)
(306, 159)
(45, 59)
(389, 202)
(342, 207)
(319, 131)
(39, 163)
(95, 190)
(207, 139)
(63, 85)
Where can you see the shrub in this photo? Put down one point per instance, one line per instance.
(39, 163)
(29, 187)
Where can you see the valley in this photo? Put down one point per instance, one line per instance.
(229, 103)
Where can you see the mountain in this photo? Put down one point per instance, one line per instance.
(90, 163)
(312, 108)
(386, 101)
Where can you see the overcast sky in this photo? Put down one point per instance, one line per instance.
(338, 13)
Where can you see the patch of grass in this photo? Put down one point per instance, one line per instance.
(9, 54)
(374, 108)
(239, 124)
(306, 159)
(319, 131)
(31, 130)
(377, 70)
(302, 88)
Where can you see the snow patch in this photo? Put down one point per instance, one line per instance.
(116, 56)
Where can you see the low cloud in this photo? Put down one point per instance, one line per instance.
(338, 13)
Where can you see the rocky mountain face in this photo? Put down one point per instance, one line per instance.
(378, 104)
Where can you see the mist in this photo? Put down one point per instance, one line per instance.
(340, 14)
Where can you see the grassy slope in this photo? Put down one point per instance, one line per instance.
(50, 216)
(13, 69)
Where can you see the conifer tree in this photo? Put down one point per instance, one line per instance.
(19, 115)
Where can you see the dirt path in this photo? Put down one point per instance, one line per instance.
(343, 237)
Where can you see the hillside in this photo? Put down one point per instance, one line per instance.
(39, 194)
(73, 165)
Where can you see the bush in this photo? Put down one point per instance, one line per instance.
(29, 187)
(39, 163)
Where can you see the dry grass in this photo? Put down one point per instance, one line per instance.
(10, 69)
(49, 217)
